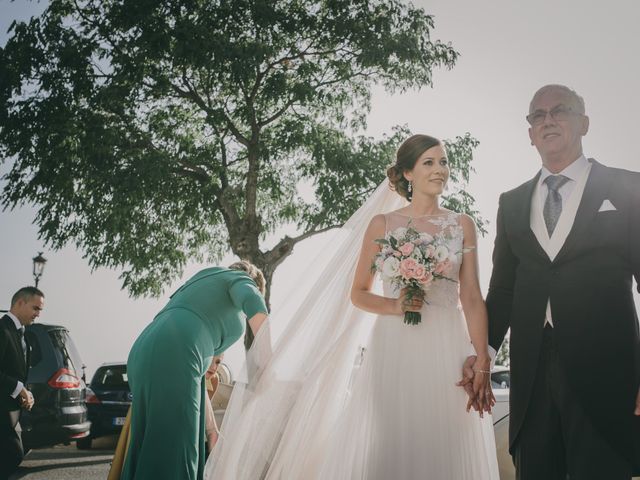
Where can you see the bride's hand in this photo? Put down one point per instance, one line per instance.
(467, 383)
(405, 304)
(482, 385)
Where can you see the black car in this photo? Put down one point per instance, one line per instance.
(108, 400)
(59, 414)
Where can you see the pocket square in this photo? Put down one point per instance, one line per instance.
(606, 206)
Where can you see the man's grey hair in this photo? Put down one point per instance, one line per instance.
(577, 99)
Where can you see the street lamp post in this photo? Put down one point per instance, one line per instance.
(38, 267)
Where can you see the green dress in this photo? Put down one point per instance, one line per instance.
(166, 367)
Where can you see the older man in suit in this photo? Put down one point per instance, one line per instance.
(26, 305)
(566, 251)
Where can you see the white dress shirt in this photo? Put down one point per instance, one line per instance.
(577, 173)
(571, 194)
(19, 326)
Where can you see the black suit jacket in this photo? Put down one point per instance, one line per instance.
(12, 364)
(589, 285)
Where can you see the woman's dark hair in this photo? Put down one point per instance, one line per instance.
(406, 158)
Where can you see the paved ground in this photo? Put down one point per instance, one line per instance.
(67, 462)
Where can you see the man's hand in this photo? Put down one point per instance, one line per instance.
(26, 399)
(467, 382)
(476, 381)
(482, 384)
(637, 410)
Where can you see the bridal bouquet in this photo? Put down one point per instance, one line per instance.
(412, 260)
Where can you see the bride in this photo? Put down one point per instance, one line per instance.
(309, 411)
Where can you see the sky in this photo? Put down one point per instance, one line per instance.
(508, 50)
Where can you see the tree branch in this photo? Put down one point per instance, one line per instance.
(312, 232)
(278, 114)
(193, 171)
(283, 249)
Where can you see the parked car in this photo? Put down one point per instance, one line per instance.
(500, 383)
(55, 379)
(108, 399)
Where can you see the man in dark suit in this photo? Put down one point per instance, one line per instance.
(566, 249)
(26, 305)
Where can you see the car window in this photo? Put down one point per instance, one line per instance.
(65, 347)
(113, 377)
(500, 380)
(34, 345)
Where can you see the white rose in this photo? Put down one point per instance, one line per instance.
(425, 238)
(399, 233)
(391, 267)
(430, 250)
(441, 253)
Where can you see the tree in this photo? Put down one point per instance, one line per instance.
(151, 133)
(503, 357)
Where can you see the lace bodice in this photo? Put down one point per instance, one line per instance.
(447, 227)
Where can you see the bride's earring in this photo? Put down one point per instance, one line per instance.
(410, 187)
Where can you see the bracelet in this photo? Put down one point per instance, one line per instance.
(481, 371)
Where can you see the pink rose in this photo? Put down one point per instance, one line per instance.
(419, 272)
(425, 279)
(407, 266)
(406, 249)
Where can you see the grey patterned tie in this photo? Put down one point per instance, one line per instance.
(23, 343)
(553, 203)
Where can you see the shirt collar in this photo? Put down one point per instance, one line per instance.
(572, 172)
(16, 322)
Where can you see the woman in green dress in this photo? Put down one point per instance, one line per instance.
(168, 361)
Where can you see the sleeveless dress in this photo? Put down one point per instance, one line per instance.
(166, 366)
(406, 418)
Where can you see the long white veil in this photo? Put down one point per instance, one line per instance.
(278, 419)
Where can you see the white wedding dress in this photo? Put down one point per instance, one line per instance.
(414, 424)
(347, 395)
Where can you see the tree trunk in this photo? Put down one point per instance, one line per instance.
(267, 271)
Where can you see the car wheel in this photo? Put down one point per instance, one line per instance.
(84, 443)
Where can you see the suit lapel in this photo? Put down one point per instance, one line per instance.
(595, 191)
(16, 343)
(28, 357)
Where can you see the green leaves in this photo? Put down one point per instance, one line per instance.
(150, 133)
(460, 155)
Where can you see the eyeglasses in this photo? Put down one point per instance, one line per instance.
(559, 113)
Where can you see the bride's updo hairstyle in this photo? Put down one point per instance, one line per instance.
(406, 158)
